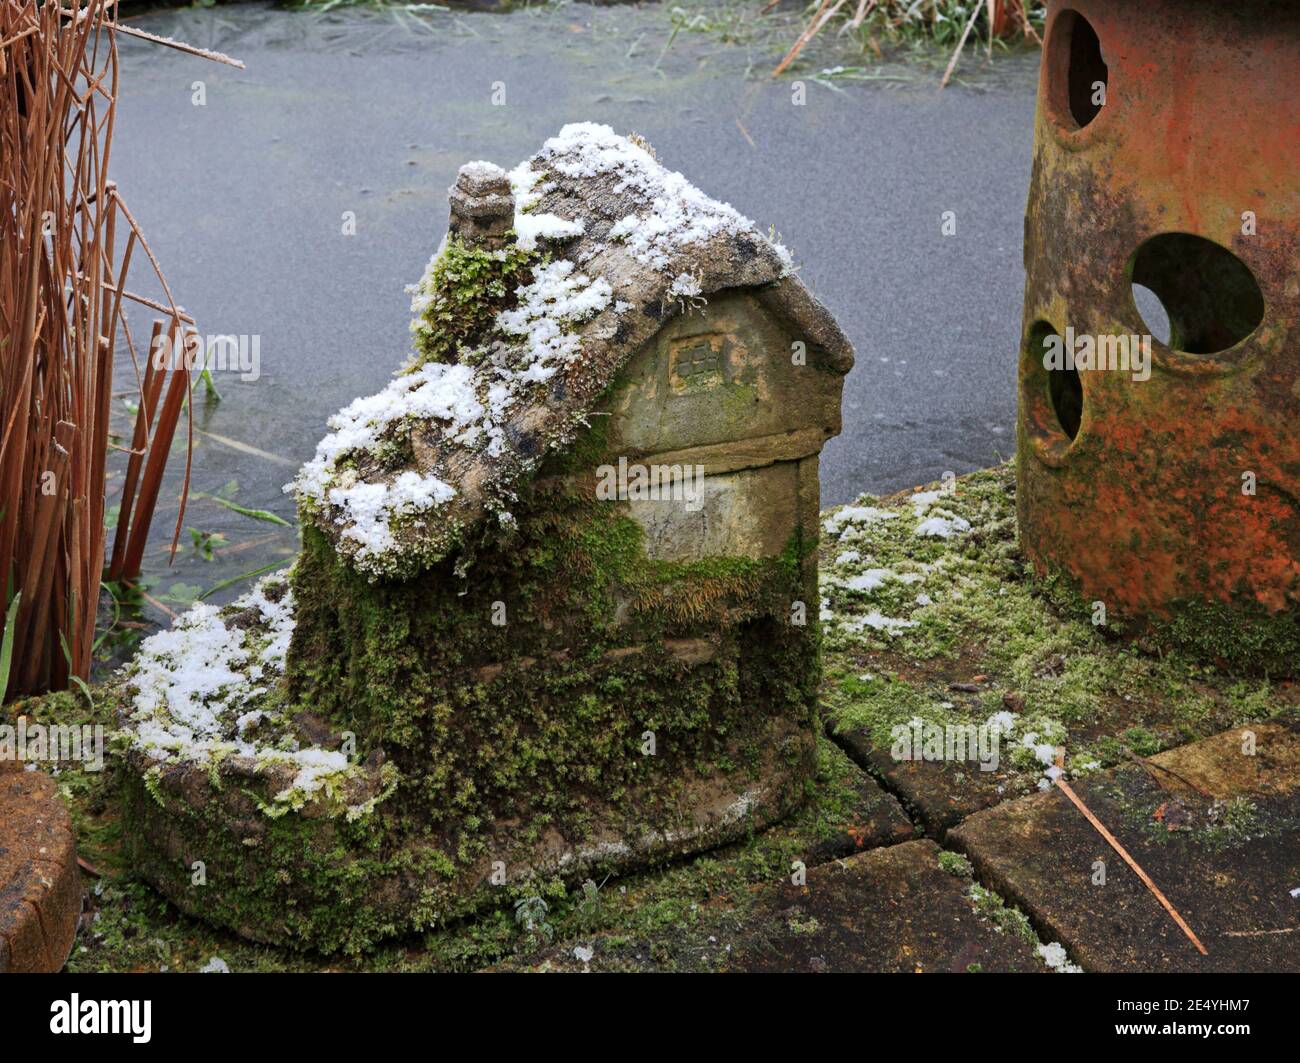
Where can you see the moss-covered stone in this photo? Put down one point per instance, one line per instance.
(528, 675)
(563, 700)
(553, 705)
(298, 879)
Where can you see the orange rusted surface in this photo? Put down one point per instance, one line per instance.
(1181, 490)
(40, 884)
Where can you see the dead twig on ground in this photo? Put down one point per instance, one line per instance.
(1114, 843)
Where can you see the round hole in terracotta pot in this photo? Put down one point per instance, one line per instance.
(1208, 298)
(1078, 77)
(1052, 397)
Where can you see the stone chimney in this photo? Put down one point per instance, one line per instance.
(482, 205)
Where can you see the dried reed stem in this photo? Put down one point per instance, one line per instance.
(62, 287)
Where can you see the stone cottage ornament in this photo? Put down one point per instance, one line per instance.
(555, 609)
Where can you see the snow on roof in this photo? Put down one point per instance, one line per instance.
(624, 244)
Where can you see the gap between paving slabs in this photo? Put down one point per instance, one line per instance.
(991, 903)
(931, 621)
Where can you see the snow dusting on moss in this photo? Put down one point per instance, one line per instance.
(468, 404)
(202, 691)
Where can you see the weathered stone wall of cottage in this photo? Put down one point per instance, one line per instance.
(720, 388)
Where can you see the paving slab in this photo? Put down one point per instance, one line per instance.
(1215, 824)
(40, 884)
(889, 910)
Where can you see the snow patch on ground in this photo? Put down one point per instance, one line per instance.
(1055, 956)
(942, 527)
(836, 523)
(942, 524)
(877, 621)
(869, 580)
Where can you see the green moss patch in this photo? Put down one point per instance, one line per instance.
(955, 631)
(464, 292)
